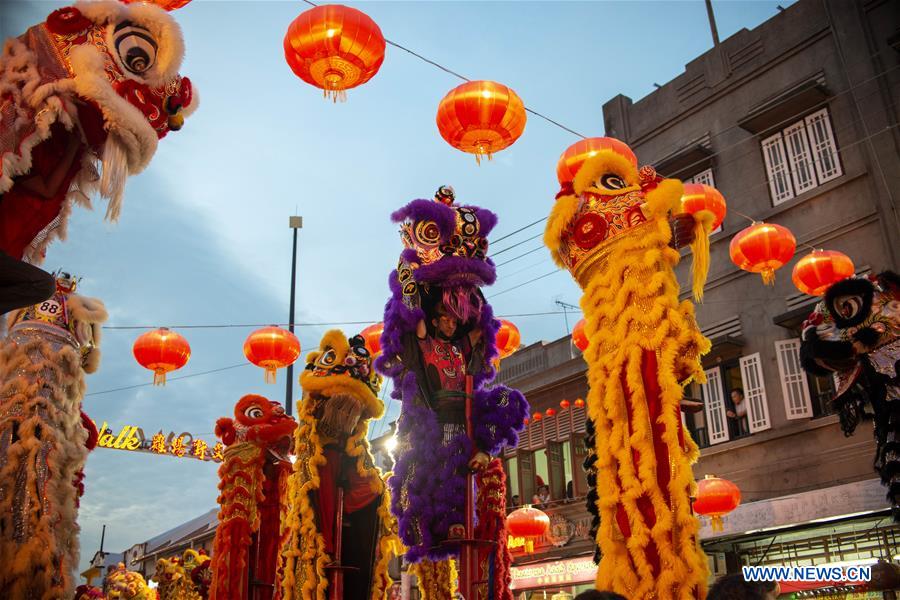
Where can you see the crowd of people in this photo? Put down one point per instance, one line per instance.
(729, 587)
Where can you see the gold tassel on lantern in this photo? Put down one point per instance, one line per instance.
(703, 221)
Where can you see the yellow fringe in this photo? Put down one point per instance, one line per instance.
(703, 220)
(436, 580)
(605, 161)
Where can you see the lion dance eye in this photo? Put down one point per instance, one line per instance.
(427, 232)
(135, 46)
(254, 412)
(848, 306)
(610, 181)
(328, 358)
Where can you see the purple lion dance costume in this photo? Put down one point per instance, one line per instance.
(438, 329)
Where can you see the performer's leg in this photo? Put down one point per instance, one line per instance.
(22, 284)
(360, 537)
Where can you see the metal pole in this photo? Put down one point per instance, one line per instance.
(467, 551)
(712, 22)
(295, 223)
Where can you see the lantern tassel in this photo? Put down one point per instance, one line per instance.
(529, 546)
(768, 276)
(270, 375)
(703, 220)
(335, 95)
(717, 523)
(159, 377)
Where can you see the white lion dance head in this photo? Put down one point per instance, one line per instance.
(95, 86)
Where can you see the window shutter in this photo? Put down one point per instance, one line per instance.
(824, 148)
(714, 405)
(755, 393)
(794, 386)
(705, 177)
(802, 170)
(776, 169)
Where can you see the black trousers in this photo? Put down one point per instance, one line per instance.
(22, 284)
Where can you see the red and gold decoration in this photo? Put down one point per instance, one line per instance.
(340, 399)
(579, 337)
(508, 338)
(45, 439)
(551, 412)
(161, 351)
(335, 48)
(252, 486)
(815, 272)
(372, 335)
(579, 403)
(529, 523)
(716, 497)
(699, 196)
(763, 248)
(564, 404)
(272, 348)
(610, 228)
(122, 584)
(481, 118)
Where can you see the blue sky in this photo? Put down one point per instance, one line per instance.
(203, 238)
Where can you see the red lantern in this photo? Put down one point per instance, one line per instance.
(564, 404)
(698, 196)
(272, 348)
(372, 335)
(762, 248)
(529, 523)
(537, 417)
(508, 338)
(579, 403)
(481, 117)
(551, 412)
(716, 497)
(575, 155)
(334, 48)
(815, 272)
(579, 337)
(168, 5)
(161, 351)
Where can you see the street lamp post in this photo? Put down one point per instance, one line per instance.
(295, 223)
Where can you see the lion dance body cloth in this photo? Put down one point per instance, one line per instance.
(253, 485)
(96, 85)
(44, 440)
(439, 332)
(610, 228)
(340, 398)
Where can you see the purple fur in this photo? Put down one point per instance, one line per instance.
(456, 269)
(428, 210)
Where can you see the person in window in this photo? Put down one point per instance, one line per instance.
(570, 490)
(737, 414)
(542, 497)
(515, 500)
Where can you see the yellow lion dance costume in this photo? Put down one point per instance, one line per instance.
(610, 228)
(340, 397)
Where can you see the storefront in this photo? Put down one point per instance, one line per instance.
(558, 579)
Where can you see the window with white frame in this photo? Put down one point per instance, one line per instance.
(794, 384)
(726, 385)
(706, 178)
(801, 157)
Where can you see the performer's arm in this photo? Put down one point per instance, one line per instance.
(48, 186)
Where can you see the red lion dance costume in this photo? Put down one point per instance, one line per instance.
(340, 398)
(610, 228)
(96, 85)
(253, 484)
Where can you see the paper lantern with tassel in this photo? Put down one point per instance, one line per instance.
(161, 351)
(529, 523)
(481, 118)
(551, 412)
(272, 348)
(335, 48)
(698, 196)
(815, 272)
(579, 337)
(564, 404)
(575, 155)
(579, 403)
(508, 338)
(168, 5)
(372, 335)
(762, 248)
(716, 497)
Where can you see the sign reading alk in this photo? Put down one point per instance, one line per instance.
(132, 439)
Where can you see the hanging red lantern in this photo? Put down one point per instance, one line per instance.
(168, 5)
(508, 338)
(716, 497)
(272, 348)
(815, 272)
(551, 412)
(481, 118)
(161, 351)
(335, 48)
(698, 196)
(564, 404)
(537, 417)
(579, 337)
(762, 248)
(529, 523)
(372, 335)
(575, 155)
(579, 403)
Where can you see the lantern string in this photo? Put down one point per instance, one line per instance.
(169, 380)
